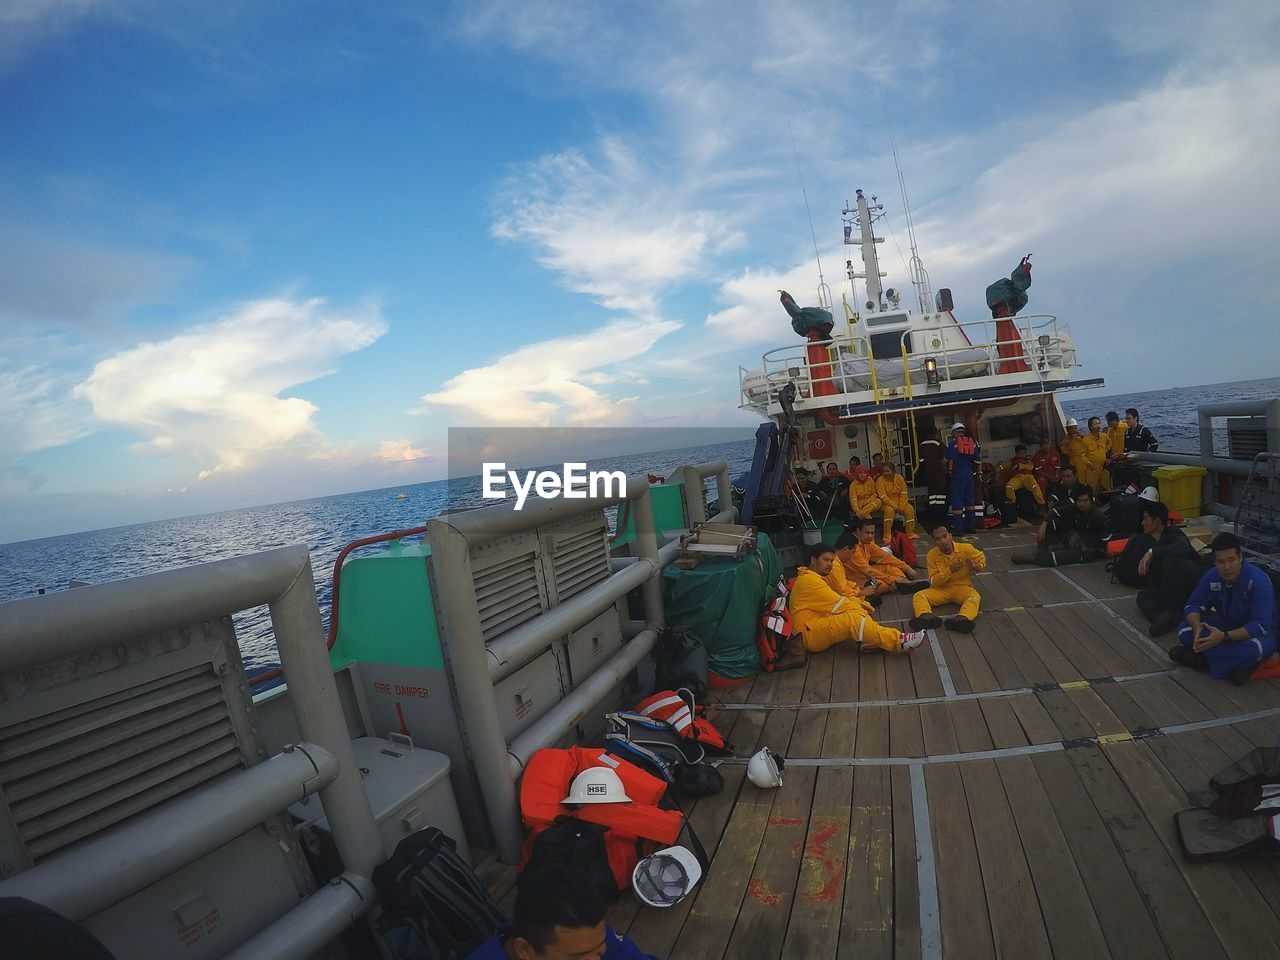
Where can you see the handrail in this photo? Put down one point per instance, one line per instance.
(1044, 345)
(276, 672)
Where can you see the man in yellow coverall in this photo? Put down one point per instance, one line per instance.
(863, 501)
(1022, 477)
(950, 565)
(1096, 447)
(1115, 433)
(891, 490)
(1072, 447)
(824, 618)
(861, 592)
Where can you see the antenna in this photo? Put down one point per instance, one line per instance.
(824, 292)
(919, 276)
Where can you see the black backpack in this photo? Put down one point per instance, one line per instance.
(681, 661)
(570, 840)
(434, 906)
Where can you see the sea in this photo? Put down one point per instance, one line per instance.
(327, 524)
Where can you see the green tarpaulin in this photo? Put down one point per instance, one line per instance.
(720, 602)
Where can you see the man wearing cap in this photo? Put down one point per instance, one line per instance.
(963, 455)
(1072, 447)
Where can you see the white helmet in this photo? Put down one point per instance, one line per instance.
(1072, 422)
(666, 877)
(597, 785)
(1150, 493)
(765, 769)
(959, 426)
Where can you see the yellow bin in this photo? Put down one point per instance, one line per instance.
(1180, 489)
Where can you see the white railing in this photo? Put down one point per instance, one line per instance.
(852, 368)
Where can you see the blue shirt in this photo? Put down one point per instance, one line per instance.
(1249, 602)
(616, 947)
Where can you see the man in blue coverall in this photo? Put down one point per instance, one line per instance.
(1228, 624)
(558, 915)
(962, 462)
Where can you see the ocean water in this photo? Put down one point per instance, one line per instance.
(327, 524)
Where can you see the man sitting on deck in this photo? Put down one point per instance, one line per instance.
(835, 488)
(868, 562)
(863, 501)
(1229, 623)
(891, 489)
(950, 566)
(863, 592)
(824, 618)
(1070, 533)
(1022, 477)
(1168, 566)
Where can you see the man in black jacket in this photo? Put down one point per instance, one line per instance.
(835, 489)
(1170, 567)
(1138, 438)
(1071, 533)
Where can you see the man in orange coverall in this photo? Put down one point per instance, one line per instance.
(824, 618)
(868, 562)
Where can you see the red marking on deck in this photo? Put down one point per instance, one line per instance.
(816, 844)
(823, 874)
(400, 713)
(785, 821)
(760, 890)
(831, 890)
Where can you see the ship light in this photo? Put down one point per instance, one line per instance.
(931, 371)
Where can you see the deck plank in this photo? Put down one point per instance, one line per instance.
(966, 923)
(1178, 915)
(1060, 668)
(1118, 904)
(1003, 724)
(1066, 910)
(1017, 928)
(906, 886)
(1219, 891)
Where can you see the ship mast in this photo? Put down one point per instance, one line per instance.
(866, 214)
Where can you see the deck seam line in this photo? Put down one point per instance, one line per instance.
(926, 871)
(1015, 607)
(944, 672)
(1055, 746)
(920, 701)
(1150, 644)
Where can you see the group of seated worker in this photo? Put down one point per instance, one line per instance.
(1228, 623)
(885, 494)
(834, 595)
(1074, 530)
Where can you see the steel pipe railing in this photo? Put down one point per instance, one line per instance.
(303, 931)
(157, 842)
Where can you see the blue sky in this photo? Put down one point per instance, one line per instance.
(258, 252)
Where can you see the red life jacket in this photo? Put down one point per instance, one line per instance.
(631, 826)
(775, 625)
(670, 706)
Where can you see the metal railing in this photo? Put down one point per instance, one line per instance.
(475, 666)
(122, 860)
(1044, 347)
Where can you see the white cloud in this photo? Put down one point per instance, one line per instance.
(212, 394)
(399, 451)
(613, 229)
(550, 382)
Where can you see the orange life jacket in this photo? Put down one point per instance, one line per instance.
(546, 781)
(775, 624)
(670, 706)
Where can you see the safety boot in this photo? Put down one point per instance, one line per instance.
(793, 654)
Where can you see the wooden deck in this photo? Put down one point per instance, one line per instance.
(1007, 793)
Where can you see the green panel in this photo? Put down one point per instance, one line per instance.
(668, 511)
(385, 614)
